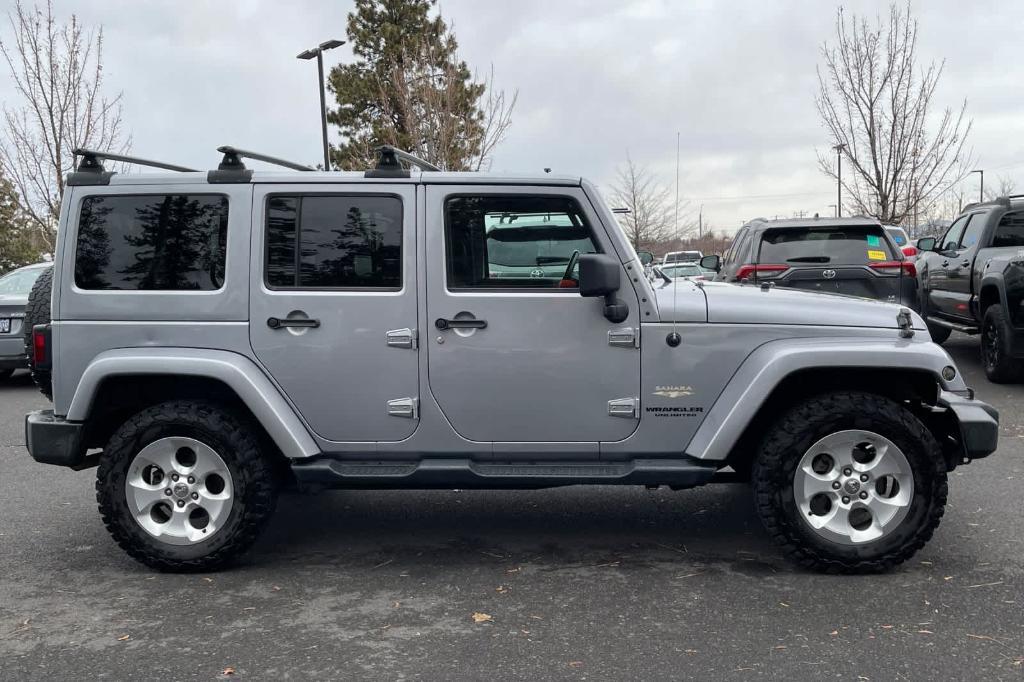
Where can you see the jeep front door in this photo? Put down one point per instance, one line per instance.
(333, 305)
(514, 353)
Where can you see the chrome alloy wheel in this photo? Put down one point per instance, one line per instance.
(179, 490)
(853, 487)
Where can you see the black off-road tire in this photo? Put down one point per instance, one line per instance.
(254, 480)
(996, 336)
(807, 423)
(37, 311)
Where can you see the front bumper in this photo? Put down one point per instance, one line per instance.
(52, 440)
(978, 423)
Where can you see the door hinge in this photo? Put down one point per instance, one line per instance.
(624, 337)
(404, 407)
(402, 338)
(624, 407)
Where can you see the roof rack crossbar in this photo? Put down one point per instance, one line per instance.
(390, 156)
(233, 159)
(92, 161)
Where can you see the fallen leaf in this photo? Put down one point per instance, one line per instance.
(228, 671)
(501, 589)
(782, 603)
(513, 570)
(396, 604)
(124, 638)
(209, 580)
(780, 647)
(887, 627)
(482, 617)
(925, 632)
(834, 633)
(575, 664)
(275, 588)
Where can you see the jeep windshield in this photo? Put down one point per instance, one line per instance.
(534, 242)
(846, 245)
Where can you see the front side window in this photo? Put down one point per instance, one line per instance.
(152, 242)
(1010, 231)
(951, 239)
(334, 242)
(528, 242)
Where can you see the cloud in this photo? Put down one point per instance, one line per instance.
(595, 78)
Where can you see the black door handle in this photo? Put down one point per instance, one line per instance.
(276, 323)
(443, 324)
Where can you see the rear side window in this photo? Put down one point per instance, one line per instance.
(1010, 231)
(151, 242)
(848, 245)
(973, 232)
(334, 242)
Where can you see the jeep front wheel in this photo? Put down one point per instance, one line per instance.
(850, 483)
(185, 486)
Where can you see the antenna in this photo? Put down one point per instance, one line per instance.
(673, 339)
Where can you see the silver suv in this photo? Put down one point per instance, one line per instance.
(217, 335)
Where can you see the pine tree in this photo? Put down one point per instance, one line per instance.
(17, 243)
(408, 88)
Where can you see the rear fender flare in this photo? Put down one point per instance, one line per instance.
(236, 371)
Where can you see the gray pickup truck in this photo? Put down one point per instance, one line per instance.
(972, 280)
(209, 337)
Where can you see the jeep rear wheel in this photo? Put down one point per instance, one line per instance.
(850, 483)
(1000, 366)
(184, 486)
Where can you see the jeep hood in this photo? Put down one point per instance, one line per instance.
(751, 304)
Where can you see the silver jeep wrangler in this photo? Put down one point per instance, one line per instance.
(208, 337)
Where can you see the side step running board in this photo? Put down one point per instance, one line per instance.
(441, 473)
(962, 328)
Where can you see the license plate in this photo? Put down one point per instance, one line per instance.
(5, 325)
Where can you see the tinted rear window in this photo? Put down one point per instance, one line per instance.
(838, 246)
(152, 242)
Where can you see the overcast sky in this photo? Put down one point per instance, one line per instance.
(596, 78)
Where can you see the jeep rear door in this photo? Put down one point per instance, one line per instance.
(333, 305)
(514, 353)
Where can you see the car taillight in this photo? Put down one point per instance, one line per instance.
(760, 271)
(889, 265)
(909, 251)
(41, 346)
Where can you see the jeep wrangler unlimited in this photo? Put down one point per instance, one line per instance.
(211, 336)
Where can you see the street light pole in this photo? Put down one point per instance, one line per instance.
(839, 179)
(981, 188)
(318, 52)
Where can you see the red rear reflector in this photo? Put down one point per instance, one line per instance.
(760, 271)
(568, 284)
(907, 266)
(909, 251)
(38, 347)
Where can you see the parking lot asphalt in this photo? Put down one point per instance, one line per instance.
(572, 583)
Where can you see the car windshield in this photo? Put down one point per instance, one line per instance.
(682, 270)
(847, 245)
(19, 282)
(527, 241)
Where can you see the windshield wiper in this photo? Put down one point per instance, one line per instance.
(809, 259)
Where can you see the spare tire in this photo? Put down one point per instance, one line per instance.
(37, 311)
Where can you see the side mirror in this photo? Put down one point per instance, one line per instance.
(926, 244)
(599, 276)
(646, 257)
(712, 262)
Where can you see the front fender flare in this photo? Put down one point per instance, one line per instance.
(238, 372)
(771, 363)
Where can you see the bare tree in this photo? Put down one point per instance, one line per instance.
(1005, 186)
(875, 102)
(649, 222)
(57, 73)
